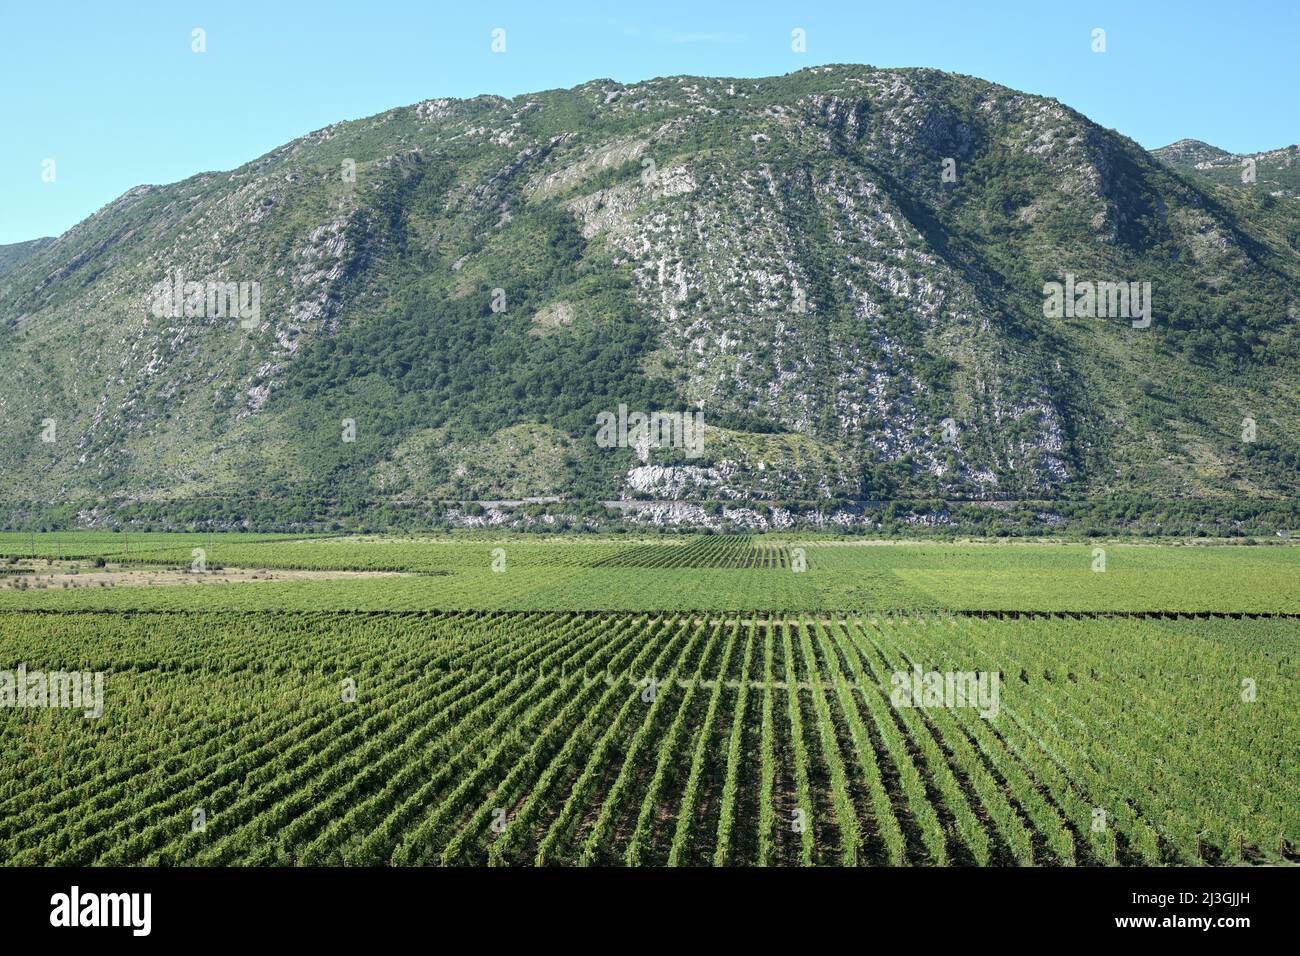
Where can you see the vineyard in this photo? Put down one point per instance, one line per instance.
(652, 738)
(712, 572)
(723, 551)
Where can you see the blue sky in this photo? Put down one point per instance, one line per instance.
(112, 92)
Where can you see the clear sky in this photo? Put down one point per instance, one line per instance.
(112, 92)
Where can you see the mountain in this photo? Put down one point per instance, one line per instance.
(14, 253)
(1188, 154)
(1275, 172)
(844, 270)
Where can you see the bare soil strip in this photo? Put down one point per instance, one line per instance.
(46, 575)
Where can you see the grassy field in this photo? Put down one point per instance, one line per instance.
(684, 701)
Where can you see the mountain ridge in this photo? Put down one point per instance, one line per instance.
(783, 254)
(1277, 171)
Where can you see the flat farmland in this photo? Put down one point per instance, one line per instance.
(718, 700)
(719, 572)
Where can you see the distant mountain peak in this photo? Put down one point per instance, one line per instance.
(1275, 171)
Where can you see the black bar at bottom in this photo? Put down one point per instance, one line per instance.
(334, 906)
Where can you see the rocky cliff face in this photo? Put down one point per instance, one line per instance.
(843, 270)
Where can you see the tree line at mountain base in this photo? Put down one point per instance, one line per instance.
(1258, 519)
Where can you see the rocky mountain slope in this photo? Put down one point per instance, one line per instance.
(1275, 171)
(14, 253)
(843, 270)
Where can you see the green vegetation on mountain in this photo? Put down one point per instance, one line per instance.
(1272, 173)
(14, 253)
(451, 292)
